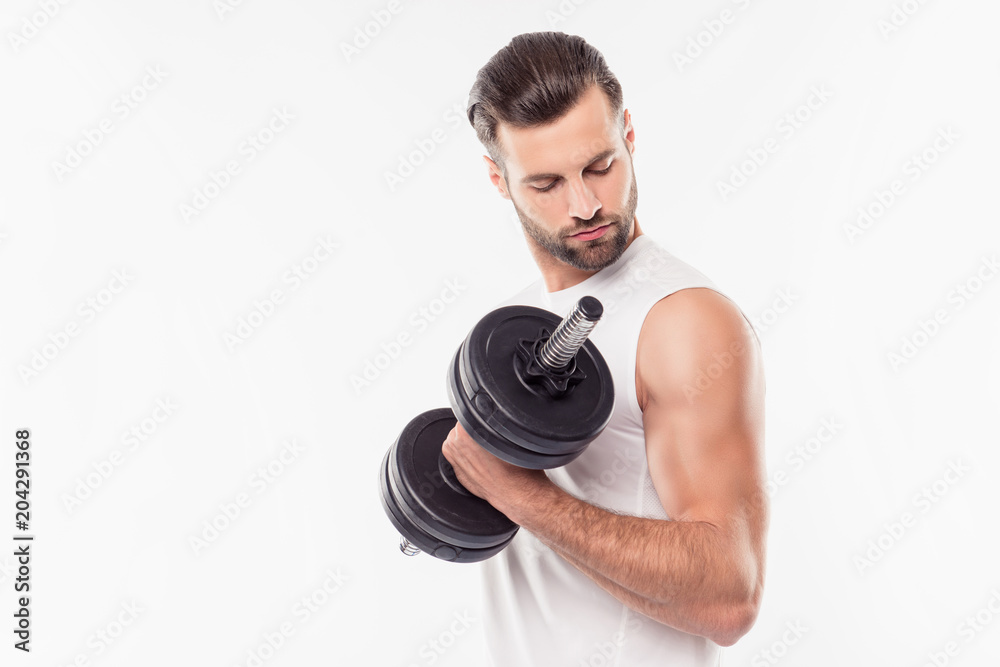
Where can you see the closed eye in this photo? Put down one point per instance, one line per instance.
(596, 172)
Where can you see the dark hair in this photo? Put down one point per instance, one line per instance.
(535, 80)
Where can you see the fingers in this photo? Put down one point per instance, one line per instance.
(449, 446)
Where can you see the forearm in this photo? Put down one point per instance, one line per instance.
(697, 621)
(680, 573)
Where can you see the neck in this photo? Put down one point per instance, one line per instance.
(558, 275)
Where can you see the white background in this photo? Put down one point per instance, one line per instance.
(868, 589)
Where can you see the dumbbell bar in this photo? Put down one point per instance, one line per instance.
(529, 388)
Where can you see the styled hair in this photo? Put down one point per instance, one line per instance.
(535, 80)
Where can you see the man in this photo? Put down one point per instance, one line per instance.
(648, 549)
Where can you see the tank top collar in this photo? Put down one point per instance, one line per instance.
(562, 301)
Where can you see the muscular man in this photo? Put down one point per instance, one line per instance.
(648, 549)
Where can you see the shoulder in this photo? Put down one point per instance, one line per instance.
(690, 339)
(694, 310)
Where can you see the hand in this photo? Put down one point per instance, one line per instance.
(497, 482)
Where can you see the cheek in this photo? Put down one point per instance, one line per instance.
(613, 192)
(539, 206)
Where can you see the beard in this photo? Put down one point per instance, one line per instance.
(591, 255)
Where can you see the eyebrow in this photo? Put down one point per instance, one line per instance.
(538, 177)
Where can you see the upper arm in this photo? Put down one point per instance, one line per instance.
(700, 383)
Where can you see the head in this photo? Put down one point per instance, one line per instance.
(550, 114)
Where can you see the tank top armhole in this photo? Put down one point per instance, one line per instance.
(633, 394)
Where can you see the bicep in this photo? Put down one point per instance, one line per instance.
(701, 375)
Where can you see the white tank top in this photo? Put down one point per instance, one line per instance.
(539, 609)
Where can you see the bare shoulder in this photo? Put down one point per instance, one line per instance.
(700, 383)
(693, 342)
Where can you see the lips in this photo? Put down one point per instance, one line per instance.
(591, 234)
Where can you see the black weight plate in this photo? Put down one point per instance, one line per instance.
(397, 516)
(426, 543)
(451, 515)
(539, 423)
(489, 439)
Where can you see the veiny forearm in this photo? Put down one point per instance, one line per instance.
(684, 574)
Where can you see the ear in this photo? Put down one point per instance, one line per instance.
(629, 133)
(496, 177)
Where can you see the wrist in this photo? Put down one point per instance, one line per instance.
(534, 498)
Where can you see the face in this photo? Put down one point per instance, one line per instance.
(572, 183)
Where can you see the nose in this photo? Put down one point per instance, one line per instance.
(583, 203)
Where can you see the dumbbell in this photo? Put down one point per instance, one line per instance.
(527, 387)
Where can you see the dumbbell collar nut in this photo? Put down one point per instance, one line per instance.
(536, 374)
